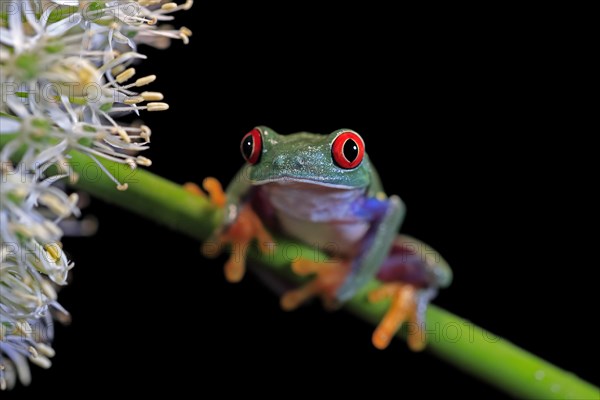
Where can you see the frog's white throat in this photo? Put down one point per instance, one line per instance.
(318, 214)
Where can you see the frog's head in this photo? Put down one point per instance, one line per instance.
(336, 160)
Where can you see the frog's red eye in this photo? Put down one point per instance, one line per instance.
(251, 146)
(348, 150)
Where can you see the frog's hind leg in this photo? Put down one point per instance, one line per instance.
(329, 275)
(411, 274)
(407, 305)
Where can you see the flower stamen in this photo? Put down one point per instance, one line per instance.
(125, 75)
(152, 96)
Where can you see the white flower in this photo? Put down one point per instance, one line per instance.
(31, 262)
(82, 78)
(66, 74)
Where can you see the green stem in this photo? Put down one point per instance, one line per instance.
(458, 341)
(148, 195)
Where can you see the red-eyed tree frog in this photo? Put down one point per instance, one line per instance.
(324, 191)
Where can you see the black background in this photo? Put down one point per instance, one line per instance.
(464, 119)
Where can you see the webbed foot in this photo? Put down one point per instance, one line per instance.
(404, 307)
(329, 275)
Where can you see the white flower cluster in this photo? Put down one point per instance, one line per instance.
(66, 75)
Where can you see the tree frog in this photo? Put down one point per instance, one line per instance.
(324, 191)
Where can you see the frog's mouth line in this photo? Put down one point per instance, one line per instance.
(290, 180)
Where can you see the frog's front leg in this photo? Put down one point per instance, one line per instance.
(246, 228)
(385, 216)
(238, 232)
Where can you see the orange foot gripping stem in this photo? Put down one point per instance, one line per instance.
(238, 236)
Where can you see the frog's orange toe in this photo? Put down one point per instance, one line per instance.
(215, 191)
(416, 338)
(381, 338)
(403, 308)
(192, 188)
(289, 301)
(235, 269)
(302, 266)
(294, 298)
(211, 249)
(239, 237)
(381, 293)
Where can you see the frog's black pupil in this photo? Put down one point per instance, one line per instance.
(350, 150)
(247, 147)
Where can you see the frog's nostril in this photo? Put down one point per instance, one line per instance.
(299, 161)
